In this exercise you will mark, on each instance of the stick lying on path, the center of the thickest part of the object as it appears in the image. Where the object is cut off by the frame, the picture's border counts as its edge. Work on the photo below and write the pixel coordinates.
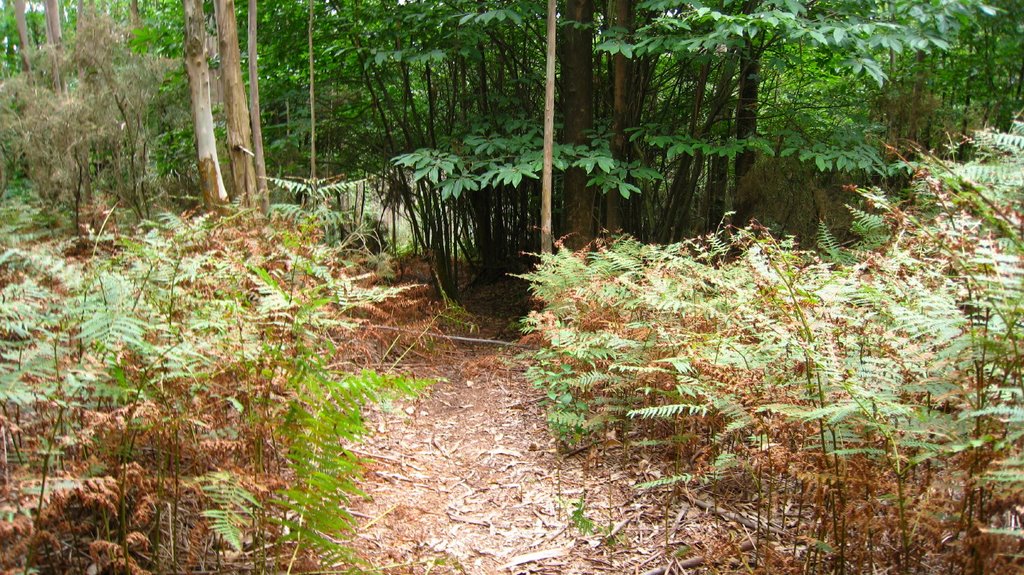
(535, 556)
(691, 563)
(450, 337)
(745, 521)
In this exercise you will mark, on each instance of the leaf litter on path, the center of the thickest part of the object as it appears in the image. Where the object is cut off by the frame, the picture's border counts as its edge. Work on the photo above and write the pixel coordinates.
(468, 479)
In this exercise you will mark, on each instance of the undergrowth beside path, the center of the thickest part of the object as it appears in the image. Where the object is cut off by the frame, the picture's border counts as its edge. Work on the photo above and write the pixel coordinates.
(181, 399)
(865, 402)
(190, 397)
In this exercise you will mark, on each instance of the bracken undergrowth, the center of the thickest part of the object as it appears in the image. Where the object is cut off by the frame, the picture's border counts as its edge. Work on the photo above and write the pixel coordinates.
(863, 404)
(182, 399)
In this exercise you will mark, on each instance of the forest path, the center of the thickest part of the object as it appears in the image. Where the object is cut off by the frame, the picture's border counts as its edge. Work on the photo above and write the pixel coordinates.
(467, 478)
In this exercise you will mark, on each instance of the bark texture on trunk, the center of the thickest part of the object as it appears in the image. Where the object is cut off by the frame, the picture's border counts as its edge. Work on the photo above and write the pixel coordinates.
(22, 24)
(55, 39)
(254, 111)
(312, 102)
(746, 111)
(578, 83)
(211, 182)
(243, 171)
(746, 127)
(549, 131)
(621, 67)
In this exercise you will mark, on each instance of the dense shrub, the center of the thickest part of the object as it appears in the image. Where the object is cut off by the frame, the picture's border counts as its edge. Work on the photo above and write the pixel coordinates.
(179, 398)
(89, 148)
(869, 398)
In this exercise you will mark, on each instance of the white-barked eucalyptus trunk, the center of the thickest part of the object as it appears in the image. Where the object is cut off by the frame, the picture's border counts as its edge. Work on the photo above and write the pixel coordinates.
(211, 182)
(243, 171)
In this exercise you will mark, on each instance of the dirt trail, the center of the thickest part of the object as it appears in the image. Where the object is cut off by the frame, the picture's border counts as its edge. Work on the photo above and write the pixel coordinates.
(467, 479)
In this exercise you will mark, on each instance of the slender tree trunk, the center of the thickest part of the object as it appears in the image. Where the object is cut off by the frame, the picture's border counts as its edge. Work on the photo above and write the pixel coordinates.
(80, 19)
(243, 172)
(749, 83)
(254, 110)
(917, 101)
(133, 8)
(620, 106)
(746, 109)
(55, 38)
(1020, 80)
(716, 192)
(22, 24)
(746, 127)
(312, 101)
(671, 223)
(211, 182)
(549, 132)
(578, 74)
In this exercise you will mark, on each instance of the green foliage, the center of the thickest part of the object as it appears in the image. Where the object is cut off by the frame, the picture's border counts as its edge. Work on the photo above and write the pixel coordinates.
(998, 164)
(89, 148)
(323, 412)
(200, 351)
(233, 508)
(883, 375)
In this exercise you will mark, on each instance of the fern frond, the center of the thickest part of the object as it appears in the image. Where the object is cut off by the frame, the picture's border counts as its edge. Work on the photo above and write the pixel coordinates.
(669, 411)
(234, 506)
(667, 481)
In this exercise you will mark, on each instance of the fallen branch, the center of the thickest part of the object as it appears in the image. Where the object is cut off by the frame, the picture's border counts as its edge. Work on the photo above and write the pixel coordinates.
(618, 527)
(468, 520)
(535, 556)
(692, 563)
(450, 337)
(742, 520)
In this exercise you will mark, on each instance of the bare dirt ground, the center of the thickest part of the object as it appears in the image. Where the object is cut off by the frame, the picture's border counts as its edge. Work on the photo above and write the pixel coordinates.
(467, 478)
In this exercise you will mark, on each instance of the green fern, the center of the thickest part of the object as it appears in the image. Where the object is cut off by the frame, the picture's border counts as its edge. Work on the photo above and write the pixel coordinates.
(667, 481)
(325, 471)
(670, 411)
(872, 229)
(234, 506)
(828, 243)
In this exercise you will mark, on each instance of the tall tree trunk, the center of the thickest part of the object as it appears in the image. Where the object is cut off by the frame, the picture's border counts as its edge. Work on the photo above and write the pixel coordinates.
(211, 182)
(254, 110)
(746, 109)
(578, 74)
(243, 172)
(746, 124)
(133, 8)
(746, 127)
(22, 24)
(549, 132)
(716, 192)
(917, 101)
(672, 224)
(55, 38)
(312, 102)
(620, 106)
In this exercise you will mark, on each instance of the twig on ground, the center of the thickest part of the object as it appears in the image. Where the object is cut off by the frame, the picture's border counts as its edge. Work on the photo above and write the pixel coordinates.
(744, 521)
(384, 458)
(618, 527)
(672, 566)
(534, 557)
(459, 338)
(468, 520)
(378, 518)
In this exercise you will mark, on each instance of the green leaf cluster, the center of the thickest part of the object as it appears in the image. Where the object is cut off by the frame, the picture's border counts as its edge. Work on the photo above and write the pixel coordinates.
(875, 371)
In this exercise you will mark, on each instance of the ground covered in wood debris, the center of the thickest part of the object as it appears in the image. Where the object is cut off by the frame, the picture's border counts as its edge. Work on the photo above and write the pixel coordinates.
(469, 479)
